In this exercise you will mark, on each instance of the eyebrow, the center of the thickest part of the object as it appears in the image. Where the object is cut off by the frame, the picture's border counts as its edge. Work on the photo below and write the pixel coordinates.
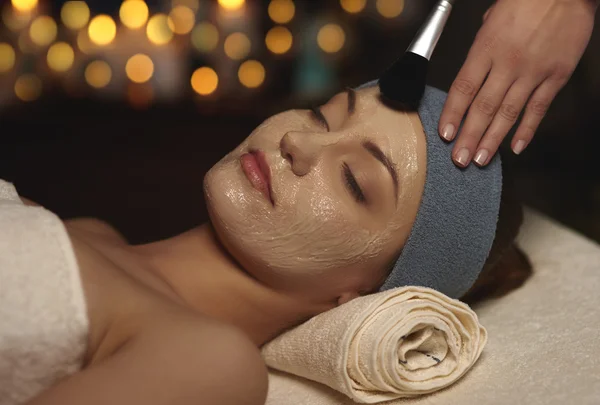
(374, 150)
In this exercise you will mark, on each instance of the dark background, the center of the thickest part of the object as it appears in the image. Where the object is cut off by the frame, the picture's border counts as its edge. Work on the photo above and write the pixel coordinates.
(141, 169)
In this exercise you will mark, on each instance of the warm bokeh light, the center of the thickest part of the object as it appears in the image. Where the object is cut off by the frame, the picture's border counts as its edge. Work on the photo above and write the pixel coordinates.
(98, 74)
(133, 13)
(102, 30)
(231, 4)
(181, 20)
(331, 38)
(279, 40)
(60, 57)
(139, 68)
(193, 4)
(24, 5)
(75, 14)
(204, 81)
(353, 6)
(390, 8)
(205, 37)
(158, 30)
(43, 30)
(14, 20)
(281, 11)
(251, 74)
(7, 57)
(237, 46)
(28, 87)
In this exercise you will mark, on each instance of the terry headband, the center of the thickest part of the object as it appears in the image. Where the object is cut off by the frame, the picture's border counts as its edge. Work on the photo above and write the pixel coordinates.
(456, 221)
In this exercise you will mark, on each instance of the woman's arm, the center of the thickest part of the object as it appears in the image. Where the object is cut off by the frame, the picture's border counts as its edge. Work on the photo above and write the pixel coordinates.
(177, 364)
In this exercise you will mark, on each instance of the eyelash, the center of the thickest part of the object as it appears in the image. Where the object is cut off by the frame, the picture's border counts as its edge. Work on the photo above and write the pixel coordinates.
(320, 117)
(353, 184)
(349, 178)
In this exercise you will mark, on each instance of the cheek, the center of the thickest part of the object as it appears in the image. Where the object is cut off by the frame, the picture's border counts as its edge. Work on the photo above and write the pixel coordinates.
(313, 232)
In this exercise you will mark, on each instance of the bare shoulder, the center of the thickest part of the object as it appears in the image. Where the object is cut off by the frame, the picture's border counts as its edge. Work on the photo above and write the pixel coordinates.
(177, 359)
(202, 358)
(95, 226)
(214, 360)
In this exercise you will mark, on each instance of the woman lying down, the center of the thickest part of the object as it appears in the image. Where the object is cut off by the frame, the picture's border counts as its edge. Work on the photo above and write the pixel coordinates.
(312, 210)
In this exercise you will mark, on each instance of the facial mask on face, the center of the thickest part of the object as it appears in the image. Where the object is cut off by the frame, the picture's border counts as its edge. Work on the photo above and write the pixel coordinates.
(456, 222)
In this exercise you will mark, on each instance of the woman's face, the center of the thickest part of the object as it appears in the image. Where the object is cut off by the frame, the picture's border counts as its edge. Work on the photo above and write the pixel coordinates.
(321, 203)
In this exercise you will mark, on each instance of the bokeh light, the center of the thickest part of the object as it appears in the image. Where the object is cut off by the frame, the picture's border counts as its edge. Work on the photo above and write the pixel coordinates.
(7, 57)
(205, 37)
(231, 4)
(204, 81)
(28, 87)
(139, 68)
(158, 30)
(133, 13)
(353, 6)
(279, 40)
(98, 74)
(181, 20)
(192, 4)
(281, 11)
(13, 19)
(251, 74)
(237, 45)
(390, 8)
(24, 5)
(43, 30)
(331, 38)
(75, 14)
(60, 57)
(102, 30)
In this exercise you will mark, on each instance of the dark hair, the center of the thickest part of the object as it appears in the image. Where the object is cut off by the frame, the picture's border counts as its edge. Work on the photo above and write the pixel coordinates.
(506, 267)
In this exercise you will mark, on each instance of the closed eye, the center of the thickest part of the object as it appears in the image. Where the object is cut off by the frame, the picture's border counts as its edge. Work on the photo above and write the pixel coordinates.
(352, 184)
(319, 117)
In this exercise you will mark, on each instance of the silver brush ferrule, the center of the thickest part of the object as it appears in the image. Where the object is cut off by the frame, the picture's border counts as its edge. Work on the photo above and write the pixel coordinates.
(426, 39)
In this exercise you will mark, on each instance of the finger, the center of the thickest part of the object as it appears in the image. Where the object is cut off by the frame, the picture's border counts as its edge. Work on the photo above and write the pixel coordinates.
(463, 90)
(481, 113)
(503, 121)
(534, 113)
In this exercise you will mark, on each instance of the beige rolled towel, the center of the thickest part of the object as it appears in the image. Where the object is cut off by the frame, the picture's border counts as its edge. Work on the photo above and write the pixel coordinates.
(394, 344)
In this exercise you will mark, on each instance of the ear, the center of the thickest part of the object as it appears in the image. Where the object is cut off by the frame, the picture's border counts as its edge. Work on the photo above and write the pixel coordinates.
(347, 297)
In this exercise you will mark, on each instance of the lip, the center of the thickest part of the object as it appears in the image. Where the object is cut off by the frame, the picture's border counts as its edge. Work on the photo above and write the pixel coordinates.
(255, 167)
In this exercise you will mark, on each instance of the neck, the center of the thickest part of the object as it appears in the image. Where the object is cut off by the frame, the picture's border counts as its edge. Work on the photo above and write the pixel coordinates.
(196, 270)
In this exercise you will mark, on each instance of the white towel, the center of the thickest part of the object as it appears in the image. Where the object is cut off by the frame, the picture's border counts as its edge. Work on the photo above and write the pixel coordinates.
(43, 318)
(394, 344)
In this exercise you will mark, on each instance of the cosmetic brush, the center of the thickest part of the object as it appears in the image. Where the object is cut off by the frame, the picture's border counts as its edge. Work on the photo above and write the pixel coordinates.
(405, 81)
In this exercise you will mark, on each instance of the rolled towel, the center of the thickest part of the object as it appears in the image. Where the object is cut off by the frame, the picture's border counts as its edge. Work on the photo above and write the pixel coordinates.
(399, 343)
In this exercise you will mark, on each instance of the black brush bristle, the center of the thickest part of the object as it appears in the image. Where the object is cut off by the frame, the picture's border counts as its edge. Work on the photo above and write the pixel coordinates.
(404, 82)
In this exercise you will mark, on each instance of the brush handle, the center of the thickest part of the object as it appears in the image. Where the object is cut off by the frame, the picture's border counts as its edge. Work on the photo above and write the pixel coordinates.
(426, 39)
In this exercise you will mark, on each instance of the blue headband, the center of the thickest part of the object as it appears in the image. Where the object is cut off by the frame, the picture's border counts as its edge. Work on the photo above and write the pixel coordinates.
(456, 221)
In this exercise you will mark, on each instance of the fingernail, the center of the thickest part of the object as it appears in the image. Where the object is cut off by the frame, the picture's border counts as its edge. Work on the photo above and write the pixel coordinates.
(448, 132)
(481, 157)
(462, 157)
(519, 146)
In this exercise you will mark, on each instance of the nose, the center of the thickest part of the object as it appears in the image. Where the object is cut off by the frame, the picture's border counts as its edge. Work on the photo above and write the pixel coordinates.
(303, 150)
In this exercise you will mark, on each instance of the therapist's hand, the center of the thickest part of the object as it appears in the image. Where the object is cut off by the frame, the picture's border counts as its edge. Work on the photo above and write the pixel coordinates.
(524, 53)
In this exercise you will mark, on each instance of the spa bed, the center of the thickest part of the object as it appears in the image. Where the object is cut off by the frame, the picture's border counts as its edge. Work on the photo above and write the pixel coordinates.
(544, 338)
